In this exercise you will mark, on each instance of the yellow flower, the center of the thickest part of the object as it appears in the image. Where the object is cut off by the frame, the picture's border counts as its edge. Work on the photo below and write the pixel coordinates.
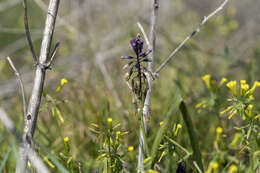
(179, 126)
(232, 169)
(219, 130)
(161, 123)
(131, 148)
(221, 83)
(243, 87)
(66, 139)
(109, 120)
(250, 110)
(232, 85)
(252, 90)
(63, 81)
(251, 98)
(118, 133)
(215, 166)
(206, 79)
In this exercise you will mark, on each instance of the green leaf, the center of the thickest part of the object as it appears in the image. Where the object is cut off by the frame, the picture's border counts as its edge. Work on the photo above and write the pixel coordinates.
(192, 135)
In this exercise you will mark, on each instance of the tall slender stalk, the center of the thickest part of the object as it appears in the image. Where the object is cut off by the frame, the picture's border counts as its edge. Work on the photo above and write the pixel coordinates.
(146, 106)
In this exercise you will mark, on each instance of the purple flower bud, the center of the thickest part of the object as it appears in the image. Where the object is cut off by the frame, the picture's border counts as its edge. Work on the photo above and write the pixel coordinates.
(144, 54)
(127, 57)
(137, 44)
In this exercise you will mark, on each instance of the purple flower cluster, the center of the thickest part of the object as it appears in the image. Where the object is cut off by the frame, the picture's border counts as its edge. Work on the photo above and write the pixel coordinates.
(137, 67)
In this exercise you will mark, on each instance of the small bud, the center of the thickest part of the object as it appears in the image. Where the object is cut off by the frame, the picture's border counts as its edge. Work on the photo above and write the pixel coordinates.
(221, 83)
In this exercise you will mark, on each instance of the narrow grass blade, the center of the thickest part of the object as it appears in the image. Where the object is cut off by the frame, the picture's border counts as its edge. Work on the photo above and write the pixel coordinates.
(192, 135)
(177, 99)
(5, 159)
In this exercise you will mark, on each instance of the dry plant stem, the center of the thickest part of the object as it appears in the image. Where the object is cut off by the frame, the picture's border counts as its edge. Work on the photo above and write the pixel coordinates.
(20, 83)
(30, 120)
(27, 31)
(146, 107)
(206, 18)
(32, 155)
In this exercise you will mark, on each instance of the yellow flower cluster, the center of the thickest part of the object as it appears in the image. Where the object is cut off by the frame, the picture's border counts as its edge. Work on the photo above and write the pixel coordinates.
(210, 83)
(244, 88)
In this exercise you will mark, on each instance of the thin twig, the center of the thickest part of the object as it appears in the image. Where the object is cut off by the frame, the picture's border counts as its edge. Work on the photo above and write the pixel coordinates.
(27, 31)
(205, 19)
(33, 157)
(53, 54)
(20, 83)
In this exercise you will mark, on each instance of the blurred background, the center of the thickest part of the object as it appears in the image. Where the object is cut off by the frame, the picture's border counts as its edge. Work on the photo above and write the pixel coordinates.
(94, 34)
